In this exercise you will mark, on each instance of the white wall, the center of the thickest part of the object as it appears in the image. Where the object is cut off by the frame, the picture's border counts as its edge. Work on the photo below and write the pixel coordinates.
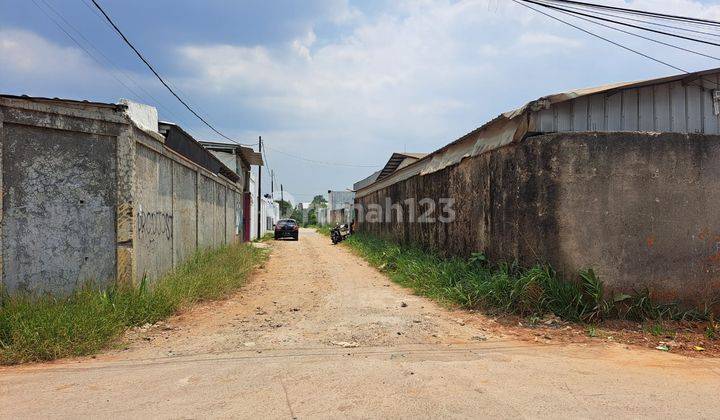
(269, 209)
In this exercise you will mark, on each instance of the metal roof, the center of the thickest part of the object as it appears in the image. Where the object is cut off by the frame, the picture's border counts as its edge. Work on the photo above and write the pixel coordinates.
(395, 160)
(577, 93)
(180, 141)
(508, 127)
(247, 153)
(366, 181)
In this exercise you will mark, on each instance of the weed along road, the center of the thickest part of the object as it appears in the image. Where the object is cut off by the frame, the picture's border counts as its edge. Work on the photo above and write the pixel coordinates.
(317, 333)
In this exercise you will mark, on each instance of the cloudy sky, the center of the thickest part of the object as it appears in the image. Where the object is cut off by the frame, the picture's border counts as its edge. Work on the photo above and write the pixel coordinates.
(338, 81)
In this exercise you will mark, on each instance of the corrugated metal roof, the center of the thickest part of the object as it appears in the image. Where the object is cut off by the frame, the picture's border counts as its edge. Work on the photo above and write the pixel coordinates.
(395, 160)
(577, 93)
(247, 153)
(510, 127)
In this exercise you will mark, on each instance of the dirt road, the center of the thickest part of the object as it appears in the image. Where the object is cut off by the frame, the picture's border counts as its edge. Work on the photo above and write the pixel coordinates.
(284, 348)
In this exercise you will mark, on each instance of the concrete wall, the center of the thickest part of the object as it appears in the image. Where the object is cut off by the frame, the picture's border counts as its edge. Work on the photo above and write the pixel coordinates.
(180, 208)
(58, 208)
(184, 212)
(58, 182)
(153, 212)
(88, 196)
(638, 207)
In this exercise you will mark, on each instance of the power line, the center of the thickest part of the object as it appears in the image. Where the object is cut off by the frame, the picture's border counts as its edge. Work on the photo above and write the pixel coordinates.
(549, 6)
(82, 47)
(643, 12)
(648, 22)
(152, 69)
(138, 96)
(263, 152)
(107, 59)
(521, 2)
(641, 36)
(102, 18)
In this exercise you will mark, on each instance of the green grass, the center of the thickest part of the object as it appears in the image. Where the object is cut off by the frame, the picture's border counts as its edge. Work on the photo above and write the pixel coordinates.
(44, 328)
(527, 291)
(323, 230)
(266, 237)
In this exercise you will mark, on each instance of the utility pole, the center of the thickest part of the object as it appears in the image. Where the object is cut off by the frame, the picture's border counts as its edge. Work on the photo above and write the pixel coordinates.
(259, 202)
(282, 198)
(272, 184)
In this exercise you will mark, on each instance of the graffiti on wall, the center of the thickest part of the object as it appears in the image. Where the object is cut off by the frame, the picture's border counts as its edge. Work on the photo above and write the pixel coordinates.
(154, 225)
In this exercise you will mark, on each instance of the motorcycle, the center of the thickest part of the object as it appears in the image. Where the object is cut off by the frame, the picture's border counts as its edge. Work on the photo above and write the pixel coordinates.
(340, 232)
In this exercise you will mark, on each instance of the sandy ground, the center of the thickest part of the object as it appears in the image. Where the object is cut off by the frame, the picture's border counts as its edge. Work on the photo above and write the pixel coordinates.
(317, 333)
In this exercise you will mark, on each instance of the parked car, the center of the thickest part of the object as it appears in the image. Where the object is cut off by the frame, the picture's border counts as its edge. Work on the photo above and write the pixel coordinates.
(287, 228)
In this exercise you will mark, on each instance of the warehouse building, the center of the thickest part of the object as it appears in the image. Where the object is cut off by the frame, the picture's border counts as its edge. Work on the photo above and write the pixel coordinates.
(622, 178)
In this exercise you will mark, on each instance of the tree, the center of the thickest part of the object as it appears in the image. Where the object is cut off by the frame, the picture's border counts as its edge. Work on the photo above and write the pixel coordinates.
(285, 208)
(297, 214)
(318, 201)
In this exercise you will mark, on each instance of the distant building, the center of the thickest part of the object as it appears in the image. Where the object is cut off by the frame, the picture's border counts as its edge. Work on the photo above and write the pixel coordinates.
(340, 207)
(236, 157)
(240, 159)
(397, 161)
(269, 212)
(366, 181)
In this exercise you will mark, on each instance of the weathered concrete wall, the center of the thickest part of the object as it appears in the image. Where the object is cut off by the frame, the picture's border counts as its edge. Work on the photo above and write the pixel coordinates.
(229, 222)
(153, 213)
(88, 196)
(180, 208)
(206, 212)
(638, 207)
(218, 218)
(184, 212)
(58, 199)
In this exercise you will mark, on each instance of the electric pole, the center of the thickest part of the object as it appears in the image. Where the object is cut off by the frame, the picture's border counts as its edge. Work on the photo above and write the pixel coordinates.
(272, 184)
(259, 201)
(282, 198)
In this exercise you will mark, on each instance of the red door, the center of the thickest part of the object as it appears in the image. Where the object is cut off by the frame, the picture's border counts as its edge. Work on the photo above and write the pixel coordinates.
(246, 217)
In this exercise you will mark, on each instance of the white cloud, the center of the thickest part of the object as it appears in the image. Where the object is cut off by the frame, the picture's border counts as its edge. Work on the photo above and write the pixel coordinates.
(25, 52)
(414, 75)
(537, 39)
(32, 65)
(302, 45)
(390, 72)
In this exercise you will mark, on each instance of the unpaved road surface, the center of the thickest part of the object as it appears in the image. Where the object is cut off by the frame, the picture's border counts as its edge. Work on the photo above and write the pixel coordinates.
(282, 348)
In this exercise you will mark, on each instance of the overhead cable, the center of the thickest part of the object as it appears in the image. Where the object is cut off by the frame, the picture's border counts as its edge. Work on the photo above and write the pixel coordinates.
(157, 75)
(668, 16)
(642, 28)
(643, 37)
(617, 44)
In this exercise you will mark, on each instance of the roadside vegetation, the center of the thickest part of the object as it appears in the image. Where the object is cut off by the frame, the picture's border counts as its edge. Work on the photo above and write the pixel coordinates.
(43, 328)
(323, 230)
(476, 283)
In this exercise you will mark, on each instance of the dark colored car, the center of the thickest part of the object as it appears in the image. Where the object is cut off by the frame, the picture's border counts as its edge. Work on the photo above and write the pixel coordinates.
(287, 228)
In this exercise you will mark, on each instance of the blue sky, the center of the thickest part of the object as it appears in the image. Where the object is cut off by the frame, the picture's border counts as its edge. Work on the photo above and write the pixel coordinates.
(329, 80)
